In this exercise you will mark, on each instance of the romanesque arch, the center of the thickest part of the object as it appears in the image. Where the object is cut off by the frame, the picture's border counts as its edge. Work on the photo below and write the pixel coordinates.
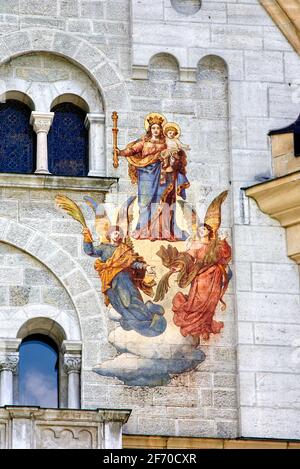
(69, 273)
(94, 62)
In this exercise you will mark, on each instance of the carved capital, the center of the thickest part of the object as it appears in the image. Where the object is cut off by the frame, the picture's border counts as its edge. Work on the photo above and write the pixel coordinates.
(41, 121)
(9, 362)
(72, 364)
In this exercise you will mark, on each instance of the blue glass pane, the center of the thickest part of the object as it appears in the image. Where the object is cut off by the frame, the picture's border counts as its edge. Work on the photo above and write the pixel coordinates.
(68, 142)
(38, 372)
(17, 138)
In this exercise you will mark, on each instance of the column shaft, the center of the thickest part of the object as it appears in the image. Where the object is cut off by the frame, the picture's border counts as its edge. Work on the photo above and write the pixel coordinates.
(97, 159)
(42, 153)
(72, 366)
(6, 388)
(73, 390)
(41, 124)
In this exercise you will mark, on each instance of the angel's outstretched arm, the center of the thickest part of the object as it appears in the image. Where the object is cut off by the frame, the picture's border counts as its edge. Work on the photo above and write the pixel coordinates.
(88, 245)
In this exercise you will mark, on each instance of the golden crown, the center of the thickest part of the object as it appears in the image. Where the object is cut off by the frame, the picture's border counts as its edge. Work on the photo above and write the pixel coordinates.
(155, 120)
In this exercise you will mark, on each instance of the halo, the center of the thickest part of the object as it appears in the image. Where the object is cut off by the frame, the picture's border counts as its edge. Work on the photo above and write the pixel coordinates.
(153, 114)
(172, 124)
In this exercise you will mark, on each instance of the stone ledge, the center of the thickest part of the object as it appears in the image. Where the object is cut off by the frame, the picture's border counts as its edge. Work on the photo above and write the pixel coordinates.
(74, 415)
(33, 181)
(188, 75)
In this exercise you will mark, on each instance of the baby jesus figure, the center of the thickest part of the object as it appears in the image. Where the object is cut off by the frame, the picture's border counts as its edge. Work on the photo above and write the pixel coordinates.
(171, 157)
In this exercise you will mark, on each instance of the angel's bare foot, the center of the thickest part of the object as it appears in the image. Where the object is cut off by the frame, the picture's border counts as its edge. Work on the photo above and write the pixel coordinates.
(196, 341)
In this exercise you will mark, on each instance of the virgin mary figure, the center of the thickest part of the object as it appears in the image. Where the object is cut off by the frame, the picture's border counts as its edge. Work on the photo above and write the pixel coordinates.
(156, 195)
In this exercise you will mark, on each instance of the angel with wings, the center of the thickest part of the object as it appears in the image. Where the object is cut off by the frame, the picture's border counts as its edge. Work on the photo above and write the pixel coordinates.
(123, 272)
(204, 268)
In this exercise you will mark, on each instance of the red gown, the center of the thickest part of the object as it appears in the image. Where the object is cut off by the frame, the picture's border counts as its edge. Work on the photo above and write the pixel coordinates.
(194, 312)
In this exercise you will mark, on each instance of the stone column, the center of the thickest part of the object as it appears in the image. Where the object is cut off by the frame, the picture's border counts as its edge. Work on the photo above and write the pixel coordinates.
(97, 158)
(71, 350)
(72, 366)
(8, 366)
(41, 122)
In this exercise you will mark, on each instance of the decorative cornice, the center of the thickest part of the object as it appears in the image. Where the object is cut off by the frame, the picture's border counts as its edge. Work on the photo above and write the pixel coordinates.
(9, 362)
(280, 199)
(38, 181)
(286, 15)
(72, 347)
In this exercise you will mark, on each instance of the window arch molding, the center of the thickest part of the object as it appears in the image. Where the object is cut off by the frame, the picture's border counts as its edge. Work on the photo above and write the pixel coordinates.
(43, 326)
(20, 96)
(71, 98)
(107, 77)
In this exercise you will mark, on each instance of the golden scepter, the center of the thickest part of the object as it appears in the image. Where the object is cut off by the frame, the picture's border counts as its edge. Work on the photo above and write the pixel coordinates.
(115, 131)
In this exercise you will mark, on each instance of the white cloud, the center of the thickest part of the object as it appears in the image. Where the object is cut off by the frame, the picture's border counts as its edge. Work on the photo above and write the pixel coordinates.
(150, 361)
(39, 390)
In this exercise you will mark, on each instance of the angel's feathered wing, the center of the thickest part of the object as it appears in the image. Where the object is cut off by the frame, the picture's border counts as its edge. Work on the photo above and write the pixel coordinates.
(168, 256)
(190, 216)
(180, 263)
(125, 215)
(213, 213)
(72, 209)
(102, 223)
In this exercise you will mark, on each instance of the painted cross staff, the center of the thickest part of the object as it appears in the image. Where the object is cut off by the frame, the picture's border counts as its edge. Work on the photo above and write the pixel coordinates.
(115, 131)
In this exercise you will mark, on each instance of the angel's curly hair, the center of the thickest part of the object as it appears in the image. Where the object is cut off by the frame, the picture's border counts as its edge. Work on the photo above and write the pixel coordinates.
(209, 228)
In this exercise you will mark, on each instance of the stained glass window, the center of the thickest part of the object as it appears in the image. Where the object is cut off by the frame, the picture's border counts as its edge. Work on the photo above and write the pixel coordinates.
(17, 138)
(38, 372)
(68, 141)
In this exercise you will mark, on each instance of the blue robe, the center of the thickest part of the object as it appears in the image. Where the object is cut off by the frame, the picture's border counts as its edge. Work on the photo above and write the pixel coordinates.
(145, 318)
(150, 194)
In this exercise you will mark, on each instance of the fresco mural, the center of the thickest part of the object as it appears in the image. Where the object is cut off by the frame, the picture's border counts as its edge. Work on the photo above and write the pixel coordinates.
(163, 302)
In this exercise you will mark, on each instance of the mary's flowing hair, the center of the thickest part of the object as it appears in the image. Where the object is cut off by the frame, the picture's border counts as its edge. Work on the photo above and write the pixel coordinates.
(148, 135)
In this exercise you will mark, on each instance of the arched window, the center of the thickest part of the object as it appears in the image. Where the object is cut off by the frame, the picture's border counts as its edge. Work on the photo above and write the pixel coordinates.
(68, 141)
(38, 372)
(17, 138)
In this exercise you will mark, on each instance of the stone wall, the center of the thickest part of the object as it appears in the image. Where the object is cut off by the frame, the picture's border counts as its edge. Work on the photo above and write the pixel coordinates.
(25, 282)
(147, 56)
